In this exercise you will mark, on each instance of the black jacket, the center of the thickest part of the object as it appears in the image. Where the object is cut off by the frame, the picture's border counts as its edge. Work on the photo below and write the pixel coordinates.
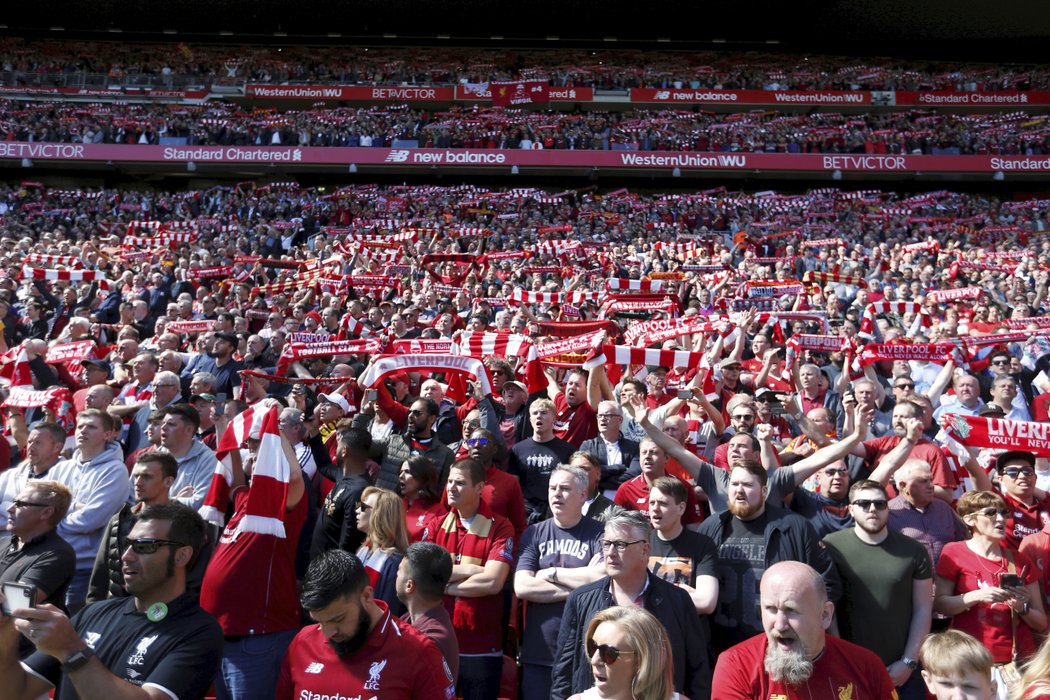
(613, 476)
(789, 537)
(689, 633)
(107, 579)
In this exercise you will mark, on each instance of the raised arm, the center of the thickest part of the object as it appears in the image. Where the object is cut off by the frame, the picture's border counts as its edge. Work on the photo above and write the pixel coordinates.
(804, 468)
(899, 454)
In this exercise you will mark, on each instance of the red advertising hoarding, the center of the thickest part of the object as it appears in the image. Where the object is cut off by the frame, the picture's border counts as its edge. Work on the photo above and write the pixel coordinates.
(352, 93)
(627, 160)
(836, 98)
(1006, 98)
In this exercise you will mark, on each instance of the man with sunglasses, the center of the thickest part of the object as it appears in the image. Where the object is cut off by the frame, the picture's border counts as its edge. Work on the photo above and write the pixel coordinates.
(887, 587)
(157, 640)
(35, 554)
(1029, 508)
(628, 581)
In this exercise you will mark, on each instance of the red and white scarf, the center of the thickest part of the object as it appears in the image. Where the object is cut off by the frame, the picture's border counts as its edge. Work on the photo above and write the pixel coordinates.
(941, 296)
(997, 433)
(245, 423)
(38, 273)
(617, 284)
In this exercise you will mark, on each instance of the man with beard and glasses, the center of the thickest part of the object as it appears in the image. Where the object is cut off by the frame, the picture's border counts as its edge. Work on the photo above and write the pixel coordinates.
(795, 657)
(418, 439)
(357, 648)
(887, 587)
(875, 450)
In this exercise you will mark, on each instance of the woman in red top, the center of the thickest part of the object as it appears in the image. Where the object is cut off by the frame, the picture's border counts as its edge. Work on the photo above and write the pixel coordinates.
(971, 585)
(421, 491)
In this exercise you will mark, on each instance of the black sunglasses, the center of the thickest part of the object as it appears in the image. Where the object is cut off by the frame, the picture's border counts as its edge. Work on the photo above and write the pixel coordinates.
(149, 545)
(27, 504)
(608, 654)
(1014, 472)
(865, 504)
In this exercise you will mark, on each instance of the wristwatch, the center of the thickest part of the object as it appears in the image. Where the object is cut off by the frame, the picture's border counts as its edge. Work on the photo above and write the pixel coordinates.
(910, 663)
(78, 660)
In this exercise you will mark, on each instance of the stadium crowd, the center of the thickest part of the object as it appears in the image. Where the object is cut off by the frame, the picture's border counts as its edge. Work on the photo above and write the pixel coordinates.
(578, 400)
(66, 63)
(770, 132)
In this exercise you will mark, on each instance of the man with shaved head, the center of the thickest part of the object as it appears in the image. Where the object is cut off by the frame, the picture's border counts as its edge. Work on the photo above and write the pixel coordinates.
(795, 657)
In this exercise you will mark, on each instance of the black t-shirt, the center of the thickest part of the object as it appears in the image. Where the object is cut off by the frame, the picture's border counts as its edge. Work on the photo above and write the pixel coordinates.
(47, 562)
(180, 653)
(741, 563)
(684, 558)
(336, 526)
(533, 463)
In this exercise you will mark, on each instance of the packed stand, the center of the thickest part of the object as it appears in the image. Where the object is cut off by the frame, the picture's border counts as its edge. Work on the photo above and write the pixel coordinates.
(496, 128)
(174, 65)
(406, 410)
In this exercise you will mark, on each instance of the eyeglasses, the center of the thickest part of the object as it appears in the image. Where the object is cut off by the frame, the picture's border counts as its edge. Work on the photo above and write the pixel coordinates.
(610, 416)
(27, 504)
(606, 652)
(619, 545)
(168, 386)
(149, 545)
(992, 511)
(744, 418)
(477, 442)
(1014, 472)
(363, 507)
(865, 504)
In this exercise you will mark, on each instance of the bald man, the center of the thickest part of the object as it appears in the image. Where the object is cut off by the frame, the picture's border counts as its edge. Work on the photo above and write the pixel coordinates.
(795, 650)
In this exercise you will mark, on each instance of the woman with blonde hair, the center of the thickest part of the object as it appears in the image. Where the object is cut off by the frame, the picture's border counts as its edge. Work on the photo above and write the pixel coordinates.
(1035, 681)
(991, 592)
(381, 516)
(630, 657)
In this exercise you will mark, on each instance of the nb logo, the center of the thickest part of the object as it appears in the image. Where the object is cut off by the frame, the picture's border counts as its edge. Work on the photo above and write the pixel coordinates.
(315, 667)
(662, 94)
(397, 156)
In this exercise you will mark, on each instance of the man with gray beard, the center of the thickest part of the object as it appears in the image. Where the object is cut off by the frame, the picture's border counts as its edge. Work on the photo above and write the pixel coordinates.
(795, 657)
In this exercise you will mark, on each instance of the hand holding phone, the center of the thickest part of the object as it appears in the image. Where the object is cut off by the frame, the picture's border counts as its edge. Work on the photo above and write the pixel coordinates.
(18, 596)
(1010, 581)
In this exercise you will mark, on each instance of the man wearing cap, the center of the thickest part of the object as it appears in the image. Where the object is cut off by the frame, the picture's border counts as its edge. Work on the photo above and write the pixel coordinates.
(509, 419)
(219, 361)
(94, 373)
(656, 387)
(331, 408)
(1029, 509)
(400, 384)
(205, 405)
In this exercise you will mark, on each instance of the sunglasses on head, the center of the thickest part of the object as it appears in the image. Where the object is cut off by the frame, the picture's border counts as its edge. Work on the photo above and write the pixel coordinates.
(866, 504)
(607, 653)
(149, 545)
